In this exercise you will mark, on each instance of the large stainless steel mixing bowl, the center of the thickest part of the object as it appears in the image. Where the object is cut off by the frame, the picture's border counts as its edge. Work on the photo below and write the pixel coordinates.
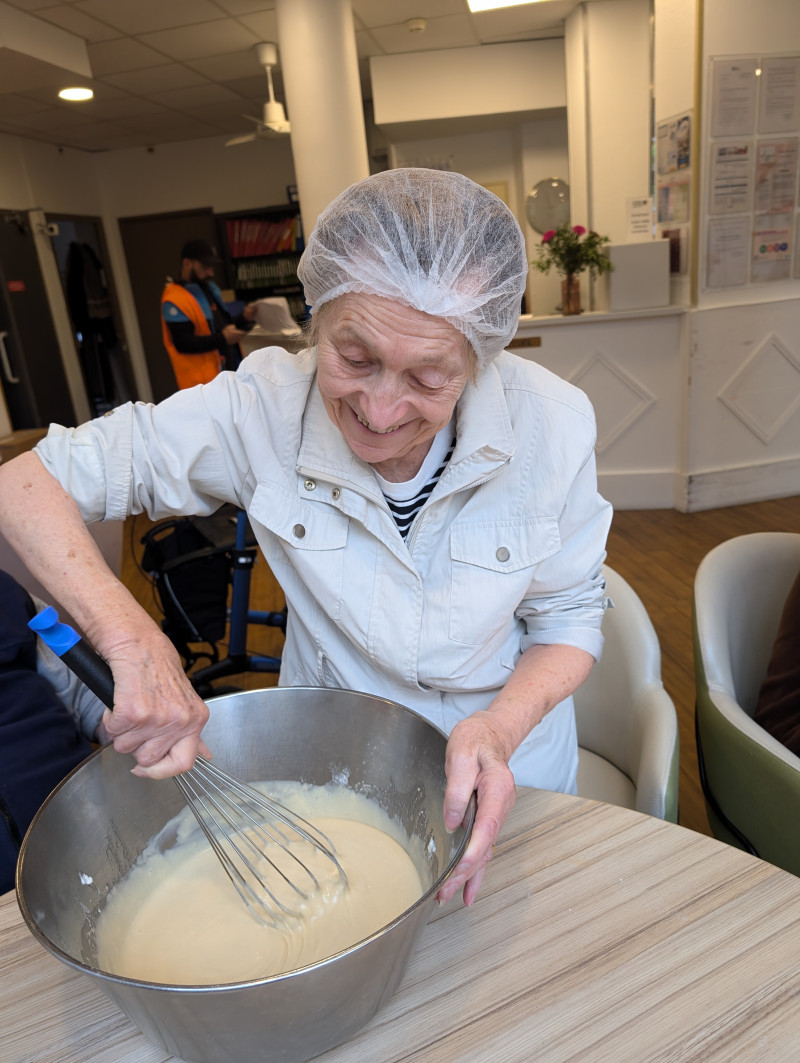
(97, 822)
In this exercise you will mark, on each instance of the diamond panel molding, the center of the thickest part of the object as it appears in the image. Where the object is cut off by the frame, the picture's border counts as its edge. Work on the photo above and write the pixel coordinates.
(765, 391)
(618, 399)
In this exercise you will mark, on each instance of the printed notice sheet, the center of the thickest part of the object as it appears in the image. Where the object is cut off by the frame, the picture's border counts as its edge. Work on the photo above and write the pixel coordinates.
(776, 175)
(728, 253)
(772, 248)
(779, 104)
(733, 100)
(731, 177)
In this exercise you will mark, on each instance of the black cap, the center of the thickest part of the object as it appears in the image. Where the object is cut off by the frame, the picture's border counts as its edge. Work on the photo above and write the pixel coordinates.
(200, 251)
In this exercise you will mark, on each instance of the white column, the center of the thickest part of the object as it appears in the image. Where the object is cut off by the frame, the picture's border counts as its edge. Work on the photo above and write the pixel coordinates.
(323, 95)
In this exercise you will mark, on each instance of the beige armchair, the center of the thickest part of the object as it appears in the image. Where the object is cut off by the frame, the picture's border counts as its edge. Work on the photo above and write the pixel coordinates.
(627, 725)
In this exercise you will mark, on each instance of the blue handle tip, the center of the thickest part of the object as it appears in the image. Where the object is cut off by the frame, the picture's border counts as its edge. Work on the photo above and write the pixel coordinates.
(59, 637)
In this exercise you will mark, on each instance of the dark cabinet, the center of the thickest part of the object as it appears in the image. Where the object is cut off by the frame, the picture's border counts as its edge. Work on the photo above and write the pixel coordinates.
(262, 249)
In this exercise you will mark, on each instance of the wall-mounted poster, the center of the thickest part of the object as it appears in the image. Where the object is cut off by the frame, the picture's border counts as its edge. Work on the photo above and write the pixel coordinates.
(772, 248)
(674, 200)
(728, 251)
(674, 144)
(779, 104)
(731, 183)
(776, 175)
(733, 97)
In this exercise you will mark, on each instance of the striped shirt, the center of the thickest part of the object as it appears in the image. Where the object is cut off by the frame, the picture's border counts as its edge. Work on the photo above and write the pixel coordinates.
(405, 500)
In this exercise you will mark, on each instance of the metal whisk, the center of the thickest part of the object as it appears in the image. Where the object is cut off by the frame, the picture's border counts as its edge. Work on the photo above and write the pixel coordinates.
(255, 838)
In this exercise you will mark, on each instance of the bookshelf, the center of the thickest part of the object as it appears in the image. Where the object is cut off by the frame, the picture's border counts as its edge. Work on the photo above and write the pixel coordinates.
(262, 249)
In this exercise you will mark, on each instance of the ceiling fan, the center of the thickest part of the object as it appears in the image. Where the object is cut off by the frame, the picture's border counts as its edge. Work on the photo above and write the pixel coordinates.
(273, 121)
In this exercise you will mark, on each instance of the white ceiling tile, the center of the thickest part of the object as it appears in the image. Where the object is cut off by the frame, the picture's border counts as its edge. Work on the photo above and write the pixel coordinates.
(110, 57)
(30, 5)
(12, 105)
(156, 79)
(55, 119)
(229, 117)
(146, 16)
(387, 12)
(122, 108)
(199, 41)
(245, 7)
(264, 25)
(230, 67)
(450, 31)
(255, 88)
(172, 126)
(198, 96)
(74, 21)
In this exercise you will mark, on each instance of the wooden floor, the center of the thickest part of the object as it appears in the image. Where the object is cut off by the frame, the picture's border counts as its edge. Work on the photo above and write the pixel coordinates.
(656, 551)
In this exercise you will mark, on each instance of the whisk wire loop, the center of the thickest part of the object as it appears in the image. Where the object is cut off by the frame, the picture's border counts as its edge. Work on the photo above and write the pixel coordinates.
(244, 827)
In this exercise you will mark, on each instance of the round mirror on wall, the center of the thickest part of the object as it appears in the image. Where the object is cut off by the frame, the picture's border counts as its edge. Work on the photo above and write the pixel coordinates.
(547, 204)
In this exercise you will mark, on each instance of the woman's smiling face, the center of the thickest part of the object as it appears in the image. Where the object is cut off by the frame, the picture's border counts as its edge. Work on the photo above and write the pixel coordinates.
(390, 377)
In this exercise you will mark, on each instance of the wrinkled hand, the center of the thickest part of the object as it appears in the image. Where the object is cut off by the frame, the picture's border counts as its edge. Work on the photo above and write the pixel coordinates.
(157, 715)
(476, 760)
(233, 334)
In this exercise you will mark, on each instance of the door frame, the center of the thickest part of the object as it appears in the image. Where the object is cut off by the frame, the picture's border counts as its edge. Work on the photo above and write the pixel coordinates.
(119, 326)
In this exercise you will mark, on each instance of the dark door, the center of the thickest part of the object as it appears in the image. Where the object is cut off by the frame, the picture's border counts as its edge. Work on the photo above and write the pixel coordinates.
(31, 369)
(80, 250)
(152, 250)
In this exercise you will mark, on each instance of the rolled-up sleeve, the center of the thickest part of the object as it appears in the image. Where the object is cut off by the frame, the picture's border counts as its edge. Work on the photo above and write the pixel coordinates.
(166, 459)
(567, 597)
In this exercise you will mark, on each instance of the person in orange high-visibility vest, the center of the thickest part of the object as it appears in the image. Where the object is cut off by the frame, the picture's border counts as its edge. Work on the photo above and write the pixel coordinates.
(199, 333)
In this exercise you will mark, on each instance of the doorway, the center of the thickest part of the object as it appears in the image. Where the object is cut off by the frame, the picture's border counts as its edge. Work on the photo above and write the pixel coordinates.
(80, 251)
(153, 245)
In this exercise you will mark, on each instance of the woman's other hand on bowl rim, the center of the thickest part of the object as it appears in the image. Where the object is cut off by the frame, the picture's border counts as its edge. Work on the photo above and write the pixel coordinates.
(476, 761)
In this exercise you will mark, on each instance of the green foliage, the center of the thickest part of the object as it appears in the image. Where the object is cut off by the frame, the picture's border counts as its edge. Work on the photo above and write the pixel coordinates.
(572, 250)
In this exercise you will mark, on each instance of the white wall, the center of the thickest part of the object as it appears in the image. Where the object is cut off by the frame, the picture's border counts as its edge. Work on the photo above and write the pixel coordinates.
(195, 173)
(608, 66)
(465, 82)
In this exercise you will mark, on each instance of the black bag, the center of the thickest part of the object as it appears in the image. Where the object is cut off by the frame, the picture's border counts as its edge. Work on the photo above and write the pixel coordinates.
(192, 579)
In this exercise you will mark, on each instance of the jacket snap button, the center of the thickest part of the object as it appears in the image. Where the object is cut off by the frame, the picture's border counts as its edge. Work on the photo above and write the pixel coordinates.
(309, 485)
(299, 531)
(335, 494)
(503, 553)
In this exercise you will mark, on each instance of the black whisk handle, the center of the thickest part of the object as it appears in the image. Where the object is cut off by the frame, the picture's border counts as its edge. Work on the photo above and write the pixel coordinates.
(78, 655)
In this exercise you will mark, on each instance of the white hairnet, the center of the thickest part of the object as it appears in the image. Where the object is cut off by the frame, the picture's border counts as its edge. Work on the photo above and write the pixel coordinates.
(431, 239)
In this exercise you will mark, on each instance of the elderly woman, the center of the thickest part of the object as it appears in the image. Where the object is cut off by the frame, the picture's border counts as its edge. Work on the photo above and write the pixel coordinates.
(427, 501)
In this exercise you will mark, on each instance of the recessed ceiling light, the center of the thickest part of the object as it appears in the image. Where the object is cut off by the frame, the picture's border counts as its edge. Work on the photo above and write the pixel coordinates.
(76, 94)
(490, 5)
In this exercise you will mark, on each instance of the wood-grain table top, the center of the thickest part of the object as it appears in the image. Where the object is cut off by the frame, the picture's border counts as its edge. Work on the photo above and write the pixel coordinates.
(599, 935)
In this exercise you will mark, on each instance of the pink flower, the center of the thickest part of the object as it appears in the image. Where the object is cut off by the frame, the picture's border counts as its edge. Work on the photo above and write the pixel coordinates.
(579, 229)
(548, 236)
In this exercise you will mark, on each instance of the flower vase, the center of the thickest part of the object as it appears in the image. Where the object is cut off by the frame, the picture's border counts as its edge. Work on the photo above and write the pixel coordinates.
(571, 294)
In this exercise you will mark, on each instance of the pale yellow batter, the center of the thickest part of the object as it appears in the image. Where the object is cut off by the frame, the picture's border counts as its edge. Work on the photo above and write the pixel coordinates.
(176, 919)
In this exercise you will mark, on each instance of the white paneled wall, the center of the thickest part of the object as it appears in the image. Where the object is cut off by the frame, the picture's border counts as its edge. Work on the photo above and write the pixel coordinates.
(630, 366)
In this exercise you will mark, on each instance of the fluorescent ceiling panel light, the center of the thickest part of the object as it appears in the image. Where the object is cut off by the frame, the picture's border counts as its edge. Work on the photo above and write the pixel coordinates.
(76, 94)
(491, 5)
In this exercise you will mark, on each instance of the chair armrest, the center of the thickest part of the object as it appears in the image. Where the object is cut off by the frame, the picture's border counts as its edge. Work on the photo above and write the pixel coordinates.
(657, 770)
